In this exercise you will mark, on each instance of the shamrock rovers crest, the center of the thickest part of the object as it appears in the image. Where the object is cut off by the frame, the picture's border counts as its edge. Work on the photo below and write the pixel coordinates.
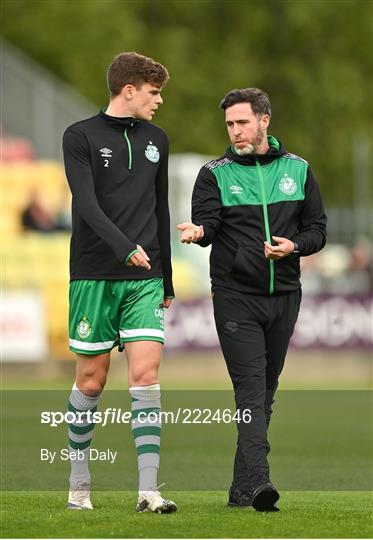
(152, 152)
(84, 328)
(288, 185)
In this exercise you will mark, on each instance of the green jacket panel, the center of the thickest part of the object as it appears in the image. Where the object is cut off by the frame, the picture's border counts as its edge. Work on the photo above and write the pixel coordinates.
(239, 185)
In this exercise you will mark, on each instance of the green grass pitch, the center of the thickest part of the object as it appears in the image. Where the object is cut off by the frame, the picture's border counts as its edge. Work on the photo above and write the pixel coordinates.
(322, 440)
(200, 515)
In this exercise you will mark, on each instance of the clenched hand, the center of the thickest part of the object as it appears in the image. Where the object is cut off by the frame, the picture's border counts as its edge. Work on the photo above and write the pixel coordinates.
(139, 259)
(283, 249)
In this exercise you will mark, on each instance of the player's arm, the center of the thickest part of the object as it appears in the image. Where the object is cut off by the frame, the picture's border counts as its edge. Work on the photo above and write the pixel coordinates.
(311, 235)
(80, 178)
(163, 218)
(206, 211)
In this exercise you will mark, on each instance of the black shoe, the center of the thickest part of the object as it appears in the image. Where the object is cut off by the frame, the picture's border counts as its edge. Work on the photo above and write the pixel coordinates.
(264, 498)
(239, 497)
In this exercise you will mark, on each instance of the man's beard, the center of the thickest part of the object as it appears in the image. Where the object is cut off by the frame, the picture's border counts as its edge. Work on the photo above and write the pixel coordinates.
(246, 150)
(251, 148)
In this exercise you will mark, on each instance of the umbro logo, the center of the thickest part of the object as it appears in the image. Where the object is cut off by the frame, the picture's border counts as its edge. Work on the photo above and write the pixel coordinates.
(236, 190)
(106, 152)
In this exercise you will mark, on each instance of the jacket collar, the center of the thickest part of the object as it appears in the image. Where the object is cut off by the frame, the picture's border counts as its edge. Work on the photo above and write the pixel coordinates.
(117, 122)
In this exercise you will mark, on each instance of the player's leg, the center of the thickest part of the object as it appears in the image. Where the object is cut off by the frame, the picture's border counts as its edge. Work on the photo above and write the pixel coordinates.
(141, 330)
(144, 358)
(92, 336)
(91, 374)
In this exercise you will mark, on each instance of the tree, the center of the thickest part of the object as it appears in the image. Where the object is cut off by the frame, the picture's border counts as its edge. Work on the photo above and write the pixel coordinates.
(312, 57)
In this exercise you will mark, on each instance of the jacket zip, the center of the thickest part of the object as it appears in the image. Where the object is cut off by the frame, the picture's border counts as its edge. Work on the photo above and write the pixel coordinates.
(129, 149)
(266, 226)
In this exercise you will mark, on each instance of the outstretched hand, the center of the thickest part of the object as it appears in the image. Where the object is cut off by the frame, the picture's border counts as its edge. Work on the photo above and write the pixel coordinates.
(190, 232)
(283, 249)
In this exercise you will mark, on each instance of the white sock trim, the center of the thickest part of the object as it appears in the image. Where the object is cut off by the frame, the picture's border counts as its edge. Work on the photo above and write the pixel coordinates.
(80, 400)
(146, 393)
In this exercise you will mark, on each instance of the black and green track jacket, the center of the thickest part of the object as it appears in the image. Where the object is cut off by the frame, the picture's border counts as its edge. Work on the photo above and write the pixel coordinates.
(117, 169)
(241, 201)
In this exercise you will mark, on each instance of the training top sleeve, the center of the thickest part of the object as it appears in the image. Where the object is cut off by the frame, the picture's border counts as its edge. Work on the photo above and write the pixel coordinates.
(311, 234)
(206, 206)
(163, 218)
(80, 178)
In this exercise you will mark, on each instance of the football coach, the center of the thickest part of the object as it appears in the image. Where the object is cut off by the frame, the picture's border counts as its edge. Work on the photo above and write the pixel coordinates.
(260, 208)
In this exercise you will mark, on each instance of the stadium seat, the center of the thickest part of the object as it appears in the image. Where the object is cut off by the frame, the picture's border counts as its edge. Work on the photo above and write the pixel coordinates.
(32, 260)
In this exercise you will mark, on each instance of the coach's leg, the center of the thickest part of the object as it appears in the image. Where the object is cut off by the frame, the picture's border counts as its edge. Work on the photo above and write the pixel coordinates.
(144, 358)
(239, 322)
(91, 373)
(278, 332)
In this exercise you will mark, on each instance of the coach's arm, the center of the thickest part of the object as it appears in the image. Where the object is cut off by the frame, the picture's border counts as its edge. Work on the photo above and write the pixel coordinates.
(206, 211)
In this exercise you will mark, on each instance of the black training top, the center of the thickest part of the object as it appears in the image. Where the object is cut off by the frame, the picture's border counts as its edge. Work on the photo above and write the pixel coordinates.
(117, 169)
(242, 201)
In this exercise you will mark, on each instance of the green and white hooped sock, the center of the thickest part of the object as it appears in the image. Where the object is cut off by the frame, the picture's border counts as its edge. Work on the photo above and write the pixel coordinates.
(146, 429)
(80, 434)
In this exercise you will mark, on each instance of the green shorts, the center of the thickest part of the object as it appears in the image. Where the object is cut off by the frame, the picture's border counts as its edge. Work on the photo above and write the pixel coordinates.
(105, 313)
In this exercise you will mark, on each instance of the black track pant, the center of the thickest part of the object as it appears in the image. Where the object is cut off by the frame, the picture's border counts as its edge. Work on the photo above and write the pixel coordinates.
(254, 333)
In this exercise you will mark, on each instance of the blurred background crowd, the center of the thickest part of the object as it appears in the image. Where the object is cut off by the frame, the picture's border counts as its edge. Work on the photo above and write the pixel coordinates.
(315, 61)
